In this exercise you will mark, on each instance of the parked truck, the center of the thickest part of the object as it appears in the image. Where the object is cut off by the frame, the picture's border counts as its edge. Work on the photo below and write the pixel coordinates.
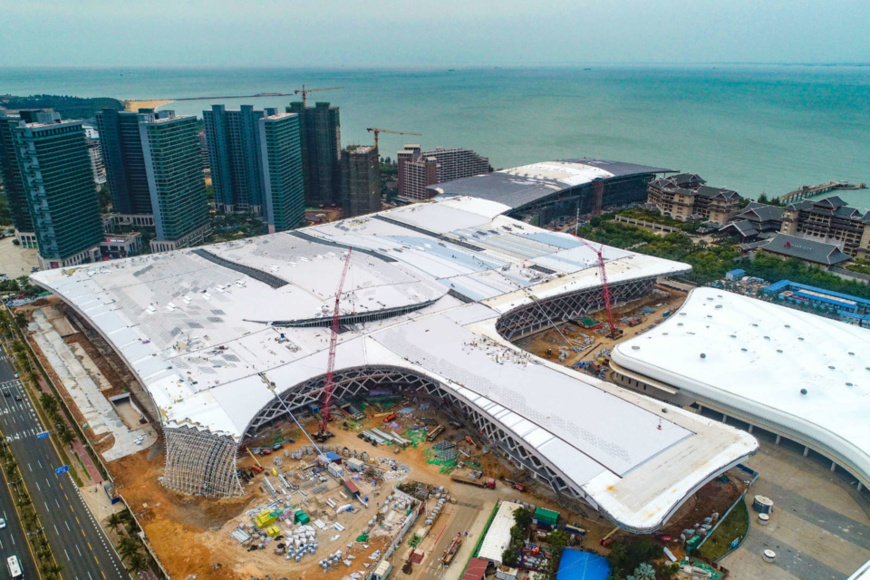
(474, 478)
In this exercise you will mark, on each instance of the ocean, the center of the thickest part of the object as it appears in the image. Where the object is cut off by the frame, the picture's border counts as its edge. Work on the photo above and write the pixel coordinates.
(754, 129)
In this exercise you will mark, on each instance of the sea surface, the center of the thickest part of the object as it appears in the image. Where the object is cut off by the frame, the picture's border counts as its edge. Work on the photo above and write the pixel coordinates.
(754, 129)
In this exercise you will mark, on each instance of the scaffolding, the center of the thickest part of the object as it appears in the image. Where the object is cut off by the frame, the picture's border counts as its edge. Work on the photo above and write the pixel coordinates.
(201, 463)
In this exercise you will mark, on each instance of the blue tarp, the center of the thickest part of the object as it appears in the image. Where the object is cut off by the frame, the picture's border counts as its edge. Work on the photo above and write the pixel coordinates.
(333, 456)
(577, 565)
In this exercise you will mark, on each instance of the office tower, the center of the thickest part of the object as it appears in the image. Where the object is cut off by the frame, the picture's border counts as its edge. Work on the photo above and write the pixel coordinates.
(233, 139)
(321, 153)
(170, 148)
(361, 178)
(13, 188)
(283, 184)
(419, 169)
(59, 190)
(125, 163)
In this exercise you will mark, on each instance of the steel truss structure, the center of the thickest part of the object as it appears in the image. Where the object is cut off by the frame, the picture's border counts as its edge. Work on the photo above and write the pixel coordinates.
(530, 319)
(198, 462)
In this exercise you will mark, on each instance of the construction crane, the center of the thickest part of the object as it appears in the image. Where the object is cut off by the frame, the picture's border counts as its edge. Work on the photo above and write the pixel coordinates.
(323, 432)
(598, 198)
(304, 92)
(376, 131)
(614, 331)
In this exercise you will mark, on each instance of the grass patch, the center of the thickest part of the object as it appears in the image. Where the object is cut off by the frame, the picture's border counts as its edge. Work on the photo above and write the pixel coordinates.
(735, 525)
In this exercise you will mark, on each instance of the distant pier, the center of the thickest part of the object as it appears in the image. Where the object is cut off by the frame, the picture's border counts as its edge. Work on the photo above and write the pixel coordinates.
(811, 190)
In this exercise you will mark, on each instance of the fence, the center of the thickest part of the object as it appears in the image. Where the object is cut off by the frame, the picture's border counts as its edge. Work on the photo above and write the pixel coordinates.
(754, 475)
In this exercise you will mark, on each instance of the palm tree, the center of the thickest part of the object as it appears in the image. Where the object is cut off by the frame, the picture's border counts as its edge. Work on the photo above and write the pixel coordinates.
(137, 562)
(115, 520)
(127, 546)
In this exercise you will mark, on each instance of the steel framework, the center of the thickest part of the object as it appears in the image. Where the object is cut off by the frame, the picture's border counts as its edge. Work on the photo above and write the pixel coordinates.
(530, 318)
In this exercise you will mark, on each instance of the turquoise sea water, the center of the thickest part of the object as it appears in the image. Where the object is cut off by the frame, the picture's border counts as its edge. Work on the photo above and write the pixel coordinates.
(752, 128)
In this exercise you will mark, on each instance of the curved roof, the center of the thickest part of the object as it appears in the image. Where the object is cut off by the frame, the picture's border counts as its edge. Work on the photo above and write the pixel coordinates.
(758, 358)
(520, 186)
(196, 331)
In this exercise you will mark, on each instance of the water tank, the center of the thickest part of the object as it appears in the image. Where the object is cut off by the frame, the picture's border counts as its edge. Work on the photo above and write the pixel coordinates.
(763, 519)
(762, 504)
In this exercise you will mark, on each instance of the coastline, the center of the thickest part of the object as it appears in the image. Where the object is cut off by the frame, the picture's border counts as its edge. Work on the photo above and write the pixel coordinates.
(135, 105)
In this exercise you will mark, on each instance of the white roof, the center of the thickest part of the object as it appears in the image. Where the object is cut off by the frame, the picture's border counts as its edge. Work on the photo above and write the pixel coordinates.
(196, 326)
(757, 358)
(498, 537)
(569, 173)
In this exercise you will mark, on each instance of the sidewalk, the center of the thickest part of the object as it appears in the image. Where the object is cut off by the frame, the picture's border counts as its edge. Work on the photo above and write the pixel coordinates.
(77, 448)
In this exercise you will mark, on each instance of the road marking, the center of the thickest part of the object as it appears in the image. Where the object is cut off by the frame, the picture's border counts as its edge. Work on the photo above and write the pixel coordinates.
(67, 555)
(40, 463)
(84, 536)
(77, 518)
(56, 531)
(57, 502)
(80, 552)
(30, 468)
(98, 562)
(46, 506)
(13, 540)
(37, 485)
(47, 482)
(89, 575)
(67, 526)
(88, 543)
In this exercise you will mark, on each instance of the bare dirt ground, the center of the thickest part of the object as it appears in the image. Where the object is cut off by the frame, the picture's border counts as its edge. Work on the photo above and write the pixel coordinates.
(203, 526)
(135, 105)
(547, 343)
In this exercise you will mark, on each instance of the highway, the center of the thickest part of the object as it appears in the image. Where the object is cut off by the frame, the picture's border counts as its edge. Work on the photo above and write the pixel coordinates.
(78, 544)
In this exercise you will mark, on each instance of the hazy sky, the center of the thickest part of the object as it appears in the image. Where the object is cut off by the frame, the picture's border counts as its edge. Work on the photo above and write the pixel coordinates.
(448, 32)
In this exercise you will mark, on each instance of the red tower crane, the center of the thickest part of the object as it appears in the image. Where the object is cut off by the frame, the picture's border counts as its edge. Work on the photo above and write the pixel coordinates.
(614, 331)
(323, 433)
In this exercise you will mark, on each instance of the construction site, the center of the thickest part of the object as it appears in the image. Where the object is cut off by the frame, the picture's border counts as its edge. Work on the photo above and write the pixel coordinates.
(351, 397)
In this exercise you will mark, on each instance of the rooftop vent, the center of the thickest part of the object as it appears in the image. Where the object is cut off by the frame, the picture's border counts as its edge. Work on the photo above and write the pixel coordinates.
(703, 355)
(803, 391)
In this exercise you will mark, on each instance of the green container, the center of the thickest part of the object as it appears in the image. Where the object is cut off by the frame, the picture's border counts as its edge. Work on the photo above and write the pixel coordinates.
(301, 517)
(545, 516)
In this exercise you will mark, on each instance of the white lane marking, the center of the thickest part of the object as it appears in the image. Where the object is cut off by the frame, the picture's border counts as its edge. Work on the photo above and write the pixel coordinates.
(67, 555)
(77, 548)
(67, 526)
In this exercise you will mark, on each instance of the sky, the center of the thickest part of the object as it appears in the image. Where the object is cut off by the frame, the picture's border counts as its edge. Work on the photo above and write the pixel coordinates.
(385, 33)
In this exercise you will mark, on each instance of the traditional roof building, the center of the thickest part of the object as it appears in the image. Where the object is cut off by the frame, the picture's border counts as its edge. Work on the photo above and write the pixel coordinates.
(830, 220)
(812, 251)
(686, 197)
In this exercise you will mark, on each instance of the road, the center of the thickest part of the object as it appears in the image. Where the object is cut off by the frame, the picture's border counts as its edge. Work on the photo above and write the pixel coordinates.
(78, 544)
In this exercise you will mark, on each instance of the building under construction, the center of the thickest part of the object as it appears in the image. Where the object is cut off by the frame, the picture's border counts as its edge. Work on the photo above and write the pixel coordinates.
(320, 128)
(361, 179)
(231, 338)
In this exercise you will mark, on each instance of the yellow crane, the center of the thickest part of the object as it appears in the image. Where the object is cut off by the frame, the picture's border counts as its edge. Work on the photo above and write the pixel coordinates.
(304, 92)
(376, 131)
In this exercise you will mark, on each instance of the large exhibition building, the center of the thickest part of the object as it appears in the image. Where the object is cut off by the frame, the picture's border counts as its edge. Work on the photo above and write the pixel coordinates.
(798, 377)
(551, 189)
(228, 339)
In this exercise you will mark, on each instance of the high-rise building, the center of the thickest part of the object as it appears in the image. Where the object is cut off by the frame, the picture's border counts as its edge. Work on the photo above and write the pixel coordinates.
(415, 172)
(13, 188)
(98, 168)
(124, 160)
(280, 149)
(233, 139)
(321, 153)
(170, 148)
(59, 190)
(419, 169)
(361, 178)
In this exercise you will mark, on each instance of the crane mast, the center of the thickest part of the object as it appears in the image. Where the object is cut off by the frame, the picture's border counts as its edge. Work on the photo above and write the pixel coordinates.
(323, 433)
(614, 331)
(305, 90)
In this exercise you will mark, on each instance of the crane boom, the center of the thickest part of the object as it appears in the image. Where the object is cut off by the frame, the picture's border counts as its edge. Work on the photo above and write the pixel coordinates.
(378, 131)
(605, 290)
(304, 91)
(333, 343)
